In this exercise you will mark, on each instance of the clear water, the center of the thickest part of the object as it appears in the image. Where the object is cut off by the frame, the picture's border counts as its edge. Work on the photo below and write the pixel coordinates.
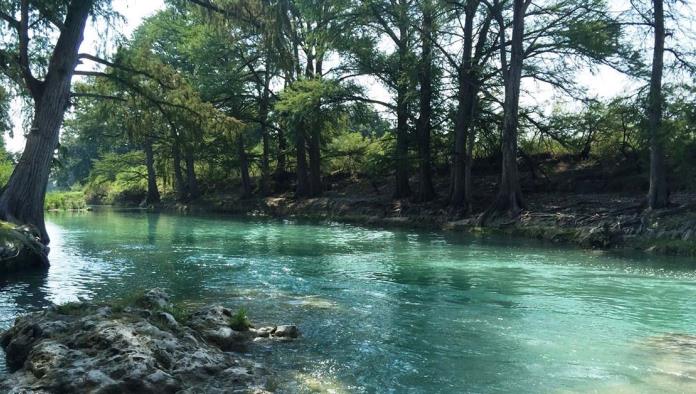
(394, 310)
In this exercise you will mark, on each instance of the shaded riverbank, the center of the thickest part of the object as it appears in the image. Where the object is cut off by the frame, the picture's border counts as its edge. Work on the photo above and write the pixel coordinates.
(593, 221)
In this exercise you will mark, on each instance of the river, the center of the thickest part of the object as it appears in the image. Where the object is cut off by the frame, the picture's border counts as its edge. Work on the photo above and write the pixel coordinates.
(393, 310)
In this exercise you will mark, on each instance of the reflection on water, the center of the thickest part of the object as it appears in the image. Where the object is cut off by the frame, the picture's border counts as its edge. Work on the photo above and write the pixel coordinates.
(394, 310)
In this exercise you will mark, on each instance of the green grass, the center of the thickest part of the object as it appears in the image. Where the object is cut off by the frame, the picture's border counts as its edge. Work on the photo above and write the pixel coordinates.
(71, 309)
(65, 201)
(240, 321)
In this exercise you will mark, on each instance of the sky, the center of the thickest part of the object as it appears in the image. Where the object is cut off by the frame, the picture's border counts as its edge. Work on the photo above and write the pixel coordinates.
(602, 83)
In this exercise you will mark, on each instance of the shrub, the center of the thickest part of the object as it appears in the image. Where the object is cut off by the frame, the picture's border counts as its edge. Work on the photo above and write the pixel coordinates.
(239, 321)
(63, 201)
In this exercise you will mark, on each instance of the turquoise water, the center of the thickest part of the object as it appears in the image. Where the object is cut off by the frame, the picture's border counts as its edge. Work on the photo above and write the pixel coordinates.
(394, 310)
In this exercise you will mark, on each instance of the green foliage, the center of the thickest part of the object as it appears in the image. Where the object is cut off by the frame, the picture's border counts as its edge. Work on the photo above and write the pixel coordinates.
(355, 154)
(313, 100)
(239, 321)
(117, 179)
(6, 168)
(5, 123)
(64, 201)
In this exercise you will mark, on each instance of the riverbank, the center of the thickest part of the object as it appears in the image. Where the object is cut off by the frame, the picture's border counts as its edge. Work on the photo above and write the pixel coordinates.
(594, 221)
(144, 344)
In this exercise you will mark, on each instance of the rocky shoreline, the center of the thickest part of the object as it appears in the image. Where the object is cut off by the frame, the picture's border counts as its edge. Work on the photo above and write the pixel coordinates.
(593, 221)
(145, 345)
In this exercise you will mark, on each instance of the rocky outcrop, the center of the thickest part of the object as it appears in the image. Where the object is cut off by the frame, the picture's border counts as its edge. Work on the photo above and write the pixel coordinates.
(140, 347)
(21, 249)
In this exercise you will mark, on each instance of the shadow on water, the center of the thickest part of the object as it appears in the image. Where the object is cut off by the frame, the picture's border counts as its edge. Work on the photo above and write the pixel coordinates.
(27, 290)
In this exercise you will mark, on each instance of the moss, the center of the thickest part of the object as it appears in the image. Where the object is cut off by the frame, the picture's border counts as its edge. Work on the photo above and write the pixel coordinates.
(134, 298)
(20, 248)
(72, 309)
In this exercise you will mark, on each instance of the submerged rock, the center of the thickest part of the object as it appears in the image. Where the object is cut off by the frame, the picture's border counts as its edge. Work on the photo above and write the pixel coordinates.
(279, 332)
(21, 249)
(140, 347)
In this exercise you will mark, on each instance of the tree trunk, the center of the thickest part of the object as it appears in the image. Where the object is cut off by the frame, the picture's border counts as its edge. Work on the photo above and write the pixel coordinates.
(509, 198)
(244, 168)
(281, 174)
(658, 195)
(468, 164)
(426, 192)
(314, 70)
(302, 187)
(466, 94)
(263, 119)
(315, 186)
(191, 179)
(179, 183)
(401, 152)
(153, 194)
(402, 170)
(23, 199)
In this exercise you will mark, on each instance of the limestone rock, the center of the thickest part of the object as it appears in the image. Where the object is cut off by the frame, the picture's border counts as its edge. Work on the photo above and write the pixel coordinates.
(140, 348)
(286, 331)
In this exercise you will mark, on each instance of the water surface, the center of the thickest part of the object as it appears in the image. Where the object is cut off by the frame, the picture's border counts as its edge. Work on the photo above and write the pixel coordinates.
(394, 310)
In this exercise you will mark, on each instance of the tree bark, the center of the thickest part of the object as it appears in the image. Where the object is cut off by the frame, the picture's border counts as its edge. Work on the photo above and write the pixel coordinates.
(281, 174)
(658, 194)
(244, 168)
(401, 161)
(426, 192)
(468, 165)
(23, 199)
(302, 186)
(179, 183)
(465, 110)
(191, 179)
(509, 199)
(265, 138)
(153, 194)
(315, 185)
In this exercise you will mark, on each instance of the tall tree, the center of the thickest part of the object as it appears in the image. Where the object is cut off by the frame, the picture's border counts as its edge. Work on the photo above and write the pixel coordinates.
(469, 81)
(658, 196)
(23, 199)
(395, 20)
(509, 197)
(426, 191)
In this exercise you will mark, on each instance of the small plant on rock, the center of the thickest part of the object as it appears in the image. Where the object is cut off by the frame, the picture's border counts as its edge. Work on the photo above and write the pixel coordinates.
(239, 321)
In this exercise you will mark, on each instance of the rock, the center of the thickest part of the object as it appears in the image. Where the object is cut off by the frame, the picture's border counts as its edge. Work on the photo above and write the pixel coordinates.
(155, 299)
(265, 332)
(97, 350)
(600, 236)
(21, 249)
(214, 325)
(286, 332)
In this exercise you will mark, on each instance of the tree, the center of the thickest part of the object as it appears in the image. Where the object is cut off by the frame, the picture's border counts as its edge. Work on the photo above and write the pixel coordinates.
(394, 20)
(509, 197)
(469, 81)
(426, 192)
(23, 199)
(658, 196)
